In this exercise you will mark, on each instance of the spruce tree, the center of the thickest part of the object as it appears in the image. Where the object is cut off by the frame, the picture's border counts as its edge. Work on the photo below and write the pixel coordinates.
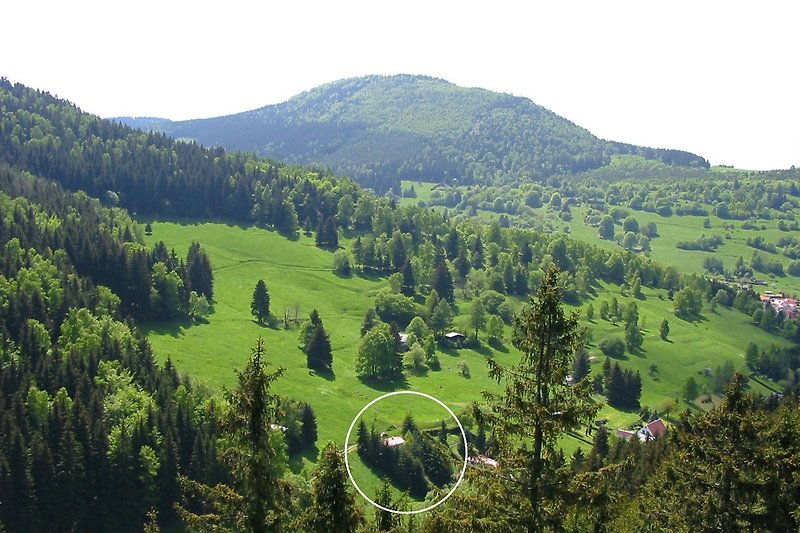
(370, 321)
(259, 306)
(664, 329)
(409, 283)
(333, 506)
(257, 457)
(318, 350)
(442, 282)
(537, 406)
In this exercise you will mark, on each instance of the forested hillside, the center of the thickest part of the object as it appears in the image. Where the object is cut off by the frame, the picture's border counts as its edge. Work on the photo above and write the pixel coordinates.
(96, 436)
(383, 129)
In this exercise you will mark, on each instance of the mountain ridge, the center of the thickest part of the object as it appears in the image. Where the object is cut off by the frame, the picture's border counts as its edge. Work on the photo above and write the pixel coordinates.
(382, 129)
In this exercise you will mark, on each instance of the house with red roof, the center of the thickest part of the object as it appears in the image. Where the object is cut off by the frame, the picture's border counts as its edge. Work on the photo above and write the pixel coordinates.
(653, 430)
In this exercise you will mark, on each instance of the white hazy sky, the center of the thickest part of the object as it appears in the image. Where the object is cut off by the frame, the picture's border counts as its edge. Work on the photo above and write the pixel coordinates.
(716, 78)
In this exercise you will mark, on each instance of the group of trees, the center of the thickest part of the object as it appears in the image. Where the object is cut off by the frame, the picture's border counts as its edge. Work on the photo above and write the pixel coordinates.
(418, 464)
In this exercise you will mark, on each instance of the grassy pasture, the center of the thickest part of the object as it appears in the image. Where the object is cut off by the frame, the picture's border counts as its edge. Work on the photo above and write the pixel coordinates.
(672, 230)
(299, 274)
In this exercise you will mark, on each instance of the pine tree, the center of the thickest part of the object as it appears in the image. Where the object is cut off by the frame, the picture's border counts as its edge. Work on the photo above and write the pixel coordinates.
(580, 366)
(538, 406)
(409, 283)
(333, 506)
(309, 421)
(259, 306)
(318, 351)
(664, 329)
(257, 457)
(633, 337)
(385, 520)
(259, 499)
(442, 281)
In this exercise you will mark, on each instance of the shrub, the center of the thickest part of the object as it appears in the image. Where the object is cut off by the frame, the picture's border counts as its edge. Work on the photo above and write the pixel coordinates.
(612, 346)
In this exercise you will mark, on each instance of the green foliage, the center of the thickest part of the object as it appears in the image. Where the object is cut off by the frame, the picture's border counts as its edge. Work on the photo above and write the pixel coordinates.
(537, 405)
(377, 355)
(663, 329)
(612, 346)
(688, 302)
(259, 306)
(255, 450)
(690, 389)
(734, 460)
(333, 506)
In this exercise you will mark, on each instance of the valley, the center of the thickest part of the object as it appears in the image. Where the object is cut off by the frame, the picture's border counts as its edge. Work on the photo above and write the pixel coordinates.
(187, 333)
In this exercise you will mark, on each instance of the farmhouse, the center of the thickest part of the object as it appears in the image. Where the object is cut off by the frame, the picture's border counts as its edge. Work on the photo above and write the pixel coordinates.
(654, 429)
(484, 460)
(455, 338)
(394, 441)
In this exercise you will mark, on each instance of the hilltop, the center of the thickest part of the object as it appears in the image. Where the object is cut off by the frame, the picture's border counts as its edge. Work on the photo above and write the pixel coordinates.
(383, 129)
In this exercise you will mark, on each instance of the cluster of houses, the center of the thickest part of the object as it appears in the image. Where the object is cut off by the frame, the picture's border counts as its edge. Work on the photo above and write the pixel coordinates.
(780, 303)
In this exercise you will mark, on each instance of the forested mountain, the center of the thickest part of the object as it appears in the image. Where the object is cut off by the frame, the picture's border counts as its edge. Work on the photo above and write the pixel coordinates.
(382, 129)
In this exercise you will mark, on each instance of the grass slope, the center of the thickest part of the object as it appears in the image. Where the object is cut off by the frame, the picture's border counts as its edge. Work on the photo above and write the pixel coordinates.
(298, 273)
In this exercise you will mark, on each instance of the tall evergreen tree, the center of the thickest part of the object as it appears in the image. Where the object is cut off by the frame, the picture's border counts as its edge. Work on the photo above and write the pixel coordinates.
(259, 306)
(370, 320)
(409, 283)
(442, 281)
(333, 506)
(538, 406)
(257, 455)
(318, 351)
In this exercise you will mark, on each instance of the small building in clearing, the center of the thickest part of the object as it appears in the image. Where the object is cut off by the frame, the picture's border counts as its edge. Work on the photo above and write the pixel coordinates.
(394, 441)
(653, 430)
(455, 338)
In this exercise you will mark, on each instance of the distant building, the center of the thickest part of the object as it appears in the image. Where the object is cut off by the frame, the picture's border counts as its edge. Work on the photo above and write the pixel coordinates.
(455, 338)
(651, 431)
(394, 441)
(780, 303)
(484, 460)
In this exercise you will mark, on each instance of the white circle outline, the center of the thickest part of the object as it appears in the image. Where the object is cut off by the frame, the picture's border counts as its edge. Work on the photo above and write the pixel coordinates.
(347, 443)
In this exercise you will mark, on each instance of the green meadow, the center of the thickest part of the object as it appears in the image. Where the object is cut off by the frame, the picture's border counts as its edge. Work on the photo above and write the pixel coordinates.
(298, 274)
(299, 278)
(672, 230)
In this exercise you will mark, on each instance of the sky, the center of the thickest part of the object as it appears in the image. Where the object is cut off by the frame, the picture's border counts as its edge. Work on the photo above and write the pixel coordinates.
(719, 79)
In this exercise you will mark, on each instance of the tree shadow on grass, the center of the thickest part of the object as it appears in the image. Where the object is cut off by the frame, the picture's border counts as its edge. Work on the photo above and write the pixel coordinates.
(448, 350)
(173, 328)
(418, 371)
(498, 346)
(326, 374)
(695, 320)
(482, 349)
(638, 352)
(296, 460)
(385, 385)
